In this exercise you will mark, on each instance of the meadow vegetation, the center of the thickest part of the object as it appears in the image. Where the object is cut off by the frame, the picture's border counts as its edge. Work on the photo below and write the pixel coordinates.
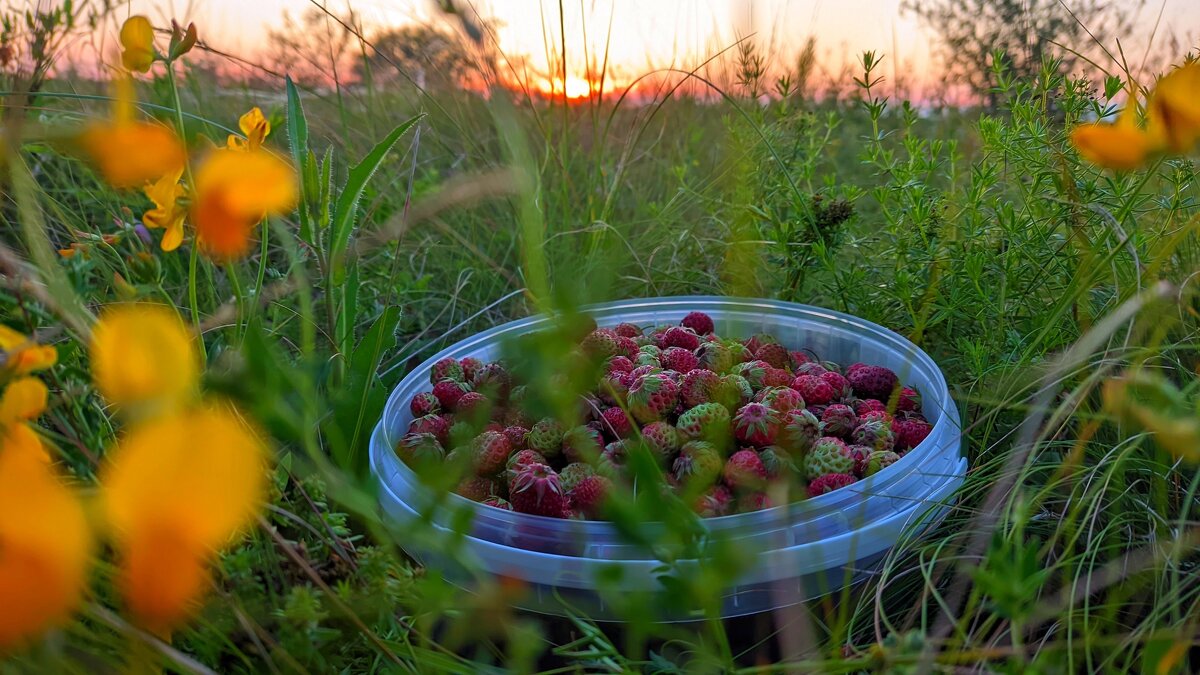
(1057, 296)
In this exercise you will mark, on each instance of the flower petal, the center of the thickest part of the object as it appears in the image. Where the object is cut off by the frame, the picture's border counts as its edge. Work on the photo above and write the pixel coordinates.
(24, 399)
(21, 355)
(131, 154)
(163, 577)
(143, 353)
(1174, 107)
(137, 43)
(1119, 146)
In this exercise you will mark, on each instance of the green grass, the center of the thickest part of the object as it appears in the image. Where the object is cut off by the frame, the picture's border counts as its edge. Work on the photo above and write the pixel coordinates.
(1031, 279)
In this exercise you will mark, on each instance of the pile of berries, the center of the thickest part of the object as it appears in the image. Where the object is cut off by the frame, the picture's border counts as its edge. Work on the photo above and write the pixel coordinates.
(725, 419)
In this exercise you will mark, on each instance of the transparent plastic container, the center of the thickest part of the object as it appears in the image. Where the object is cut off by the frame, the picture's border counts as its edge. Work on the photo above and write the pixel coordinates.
(803, 549)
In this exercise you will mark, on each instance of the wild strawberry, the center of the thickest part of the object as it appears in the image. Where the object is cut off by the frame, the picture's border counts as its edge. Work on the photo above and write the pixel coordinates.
(537, 490)
(774, 354)
(615, 423)
(776, 461)
(573, 473)
(611, 464)
(493, 380)
(420, 448)
(472, 406)
(841, 387)
(810, 368)
(909, 401)
(546, 437)
(698, 464)
(716, 501)
(873, 382)
(753, 501)
(662, 439)
(677, 336)
(470, 366)
(698, 386)
(424, 403)
(717, 357)
(860, 454)
(706, 422)
(447, 369)
(437, 425)
(755, 373)
(744, 471)
(699, 322)
(619, 364)
(478, 488)
(797, 357)
(514, 416)
(733, 392)
(600, 343)
(910, 432)
(589, 495)
(875, 433)
(828, 483)
(828, 455)
(813, 389)
(678, 359)
(853, 367)
(489, 452)
(627, 347)
(644, 370)
(497, 503)
(866, 405)
(628, 330)
(652, 397)
(581, 444)
(838, 420)
(517, 436)
(521, 458)
(756, 424)
(448, 392)
(756, 341)
(880, 460)
(800, 430)
(777, 377)
(782, 399)
(614, 387)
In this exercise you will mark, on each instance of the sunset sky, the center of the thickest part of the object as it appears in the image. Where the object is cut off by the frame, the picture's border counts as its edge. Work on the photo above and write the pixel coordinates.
(651, 34)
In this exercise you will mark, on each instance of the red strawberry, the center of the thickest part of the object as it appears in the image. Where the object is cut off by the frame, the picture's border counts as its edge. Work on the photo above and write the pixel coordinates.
(498, 503)
(493, 379)
(841, 388)
(909, 401)
(755, 373)
(627, 347)
(853, 367)
(810, 368)
(813, 389)
(756, 342)
(777, 377)
(424, 404)
(744, 471)
(756, 424)
(699, 322)
(437, 425)
(797, 358)
(448, 392)
(860, 454)
(614, 387)
(447, 369)
(652, 397)
(472, 406)
(774, 354)
(620, 364)
(698, 386)
(866, 405)
(516, 436)
(678, 359)
(589, 494)
(782, 399)
(910, 432)
(489, 452)
(535, 489)
(615, 423)
(714, 502)
(522, 458)
(838, 420)
(470, 366)
(873, 382)
(801, 429)
(828, 483)
(662, 439)
(680, 337)
(478, 488)
(627, 330)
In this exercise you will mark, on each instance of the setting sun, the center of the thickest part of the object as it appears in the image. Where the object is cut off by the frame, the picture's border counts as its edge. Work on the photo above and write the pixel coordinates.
(575, 87)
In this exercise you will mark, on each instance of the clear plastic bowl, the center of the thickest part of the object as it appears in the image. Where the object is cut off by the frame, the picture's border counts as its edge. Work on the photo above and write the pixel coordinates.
(804, 549)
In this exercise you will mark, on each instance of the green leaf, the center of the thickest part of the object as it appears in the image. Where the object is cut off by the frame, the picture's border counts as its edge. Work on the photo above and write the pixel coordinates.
(358, 403)
(297, 132)
(347, 203)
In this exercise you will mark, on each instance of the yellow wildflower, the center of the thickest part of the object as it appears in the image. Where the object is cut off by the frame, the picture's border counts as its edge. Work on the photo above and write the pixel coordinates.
(43, 559)
(235, 189)
(137, 44)
(21, 356)
(23, 399)
(1121, 146)
(143, 353)
(167, 212)
(255, 127)
(1174, 107)
(175, 490)
(130, 153)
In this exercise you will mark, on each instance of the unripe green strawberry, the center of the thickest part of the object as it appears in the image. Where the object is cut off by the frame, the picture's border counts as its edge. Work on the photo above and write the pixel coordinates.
(573, 473)
(875, 433)
(582, 444)
(800, 430)
(652, 397)
(546, 437)
(717, 357)
(828, 455)
(708, 422)
(662, 439)
(698, 464)
(420, 449)
(880, 460)
(733, 392)
(777, 462)
(601, 343)
(698, 386)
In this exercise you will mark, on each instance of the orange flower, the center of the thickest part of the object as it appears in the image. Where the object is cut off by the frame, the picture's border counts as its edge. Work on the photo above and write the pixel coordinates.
(255, 127)
(1121, 146)
(127, 152)
(137, 44)
(142, 353)
(22, 356)
(235, 189)
(1174, 108)
(167, 212)
(175, 490)
(24, 399)
(43, 559)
